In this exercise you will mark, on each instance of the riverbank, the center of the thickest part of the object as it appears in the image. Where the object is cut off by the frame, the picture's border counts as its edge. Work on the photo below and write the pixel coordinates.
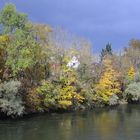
(30, 114)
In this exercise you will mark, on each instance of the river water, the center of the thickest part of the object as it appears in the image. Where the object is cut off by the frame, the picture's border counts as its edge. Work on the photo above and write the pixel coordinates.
(120, 123)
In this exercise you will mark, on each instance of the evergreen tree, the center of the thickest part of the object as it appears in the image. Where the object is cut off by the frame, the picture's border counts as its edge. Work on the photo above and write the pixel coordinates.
(106, 51)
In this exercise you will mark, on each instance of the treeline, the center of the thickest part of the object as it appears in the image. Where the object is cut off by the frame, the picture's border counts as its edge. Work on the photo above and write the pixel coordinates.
(44, 69)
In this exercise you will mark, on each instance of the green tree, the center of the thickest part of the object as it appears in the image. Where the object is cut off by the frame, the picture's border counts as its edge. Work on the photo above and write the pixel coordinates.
(22, 49)
(106, 51)
(10, 19)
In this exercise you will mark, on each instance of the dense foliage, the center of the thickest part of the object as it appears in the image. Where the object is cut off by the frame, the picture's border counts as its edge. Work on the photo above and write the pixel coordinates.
(132, 92)
(10, 98)
(48, 69)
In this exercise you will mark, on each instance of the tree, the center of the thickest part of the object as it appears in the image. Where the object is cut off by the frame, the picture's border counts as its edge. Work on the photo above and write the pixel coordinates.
(108, 84)
(22, 49)
(10, 19)
(4, 39)
(106, 51)
(69, 81)
(131, 55)
(61, 93)
(131, 74)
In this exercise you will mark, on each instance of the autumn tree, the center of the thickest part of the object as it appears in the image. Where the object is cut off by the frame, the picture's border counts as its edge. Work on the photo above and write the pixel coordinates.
(108, 84)
(130, 56)
(131, 73)
(62, 93)
(86, 59)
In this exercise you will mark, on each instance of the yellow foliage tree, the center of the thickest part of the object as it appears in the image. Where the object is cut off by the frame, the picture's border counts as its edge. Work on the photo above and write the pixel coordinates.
(68, 94)
(63, 93)
(108, 84)
(131, 73)
(4, 39)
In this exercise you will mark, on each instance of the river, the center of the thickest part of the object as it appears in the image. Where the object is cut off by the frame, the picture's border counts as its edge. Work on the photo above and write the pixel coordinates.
(119, 123)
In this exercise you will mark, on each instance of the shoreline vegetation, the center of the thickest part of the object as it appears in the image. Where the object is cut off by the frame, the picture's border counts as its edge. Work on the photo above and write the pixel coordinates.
(45, 69)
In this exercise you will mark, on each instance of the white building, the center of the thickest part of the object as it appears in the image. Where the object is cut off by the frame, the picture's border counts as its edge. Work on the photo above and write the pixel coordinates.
(73, 63)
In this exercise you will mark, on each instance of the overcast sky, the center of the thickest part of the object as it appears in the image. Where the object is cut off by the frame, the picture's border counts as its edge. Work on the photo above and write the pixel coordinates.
(100, 21)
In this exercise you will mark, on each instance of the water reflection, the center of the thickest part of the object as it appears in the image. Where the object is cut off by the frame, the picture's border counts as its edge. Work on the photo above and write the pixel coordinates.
(121, 123)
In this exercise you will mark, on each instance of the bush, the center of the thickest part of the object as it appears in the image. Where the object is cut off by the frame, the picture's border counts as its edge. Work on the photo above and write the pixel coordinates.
(59, 95)
(132, 92)
(10, 99)
(137, 77)
(33, 100)
(49, 93)
(88, 93)
(113, 100)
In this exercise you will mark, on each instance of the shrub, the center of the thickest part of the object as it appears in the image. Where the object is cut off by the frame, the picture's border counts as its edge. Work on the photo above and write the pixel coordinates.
(88, 94)
(59, 95)
(137, 77)
(132, 92)
(33, 100)
(10, 99)
(113, 100)
(49, 93)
